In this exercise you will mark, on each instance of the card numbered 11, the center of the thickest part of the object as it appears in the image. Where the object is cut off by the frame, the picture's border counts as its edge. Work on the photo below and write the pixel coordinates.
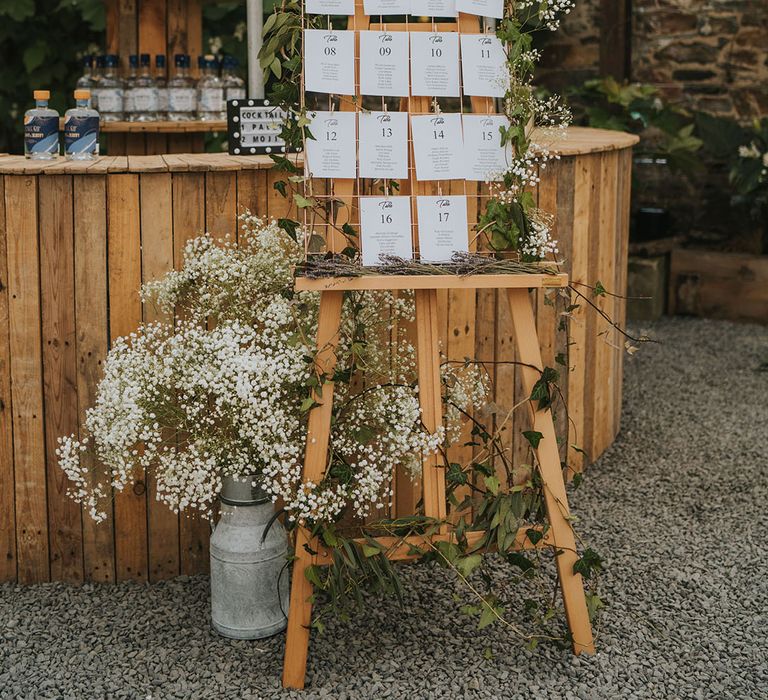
(385, 228)
(443, 228)
(333, 150)
(483, 66)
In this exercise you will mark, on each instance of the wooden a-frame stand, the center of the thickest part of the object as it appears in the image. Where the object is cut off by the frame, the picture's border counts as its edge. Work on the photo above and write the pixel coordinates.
(560, 534)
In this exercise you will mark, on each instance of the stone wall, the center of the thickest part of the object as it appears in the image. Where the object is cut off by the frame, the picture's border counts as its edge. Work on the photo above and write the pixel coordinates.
(710, 55)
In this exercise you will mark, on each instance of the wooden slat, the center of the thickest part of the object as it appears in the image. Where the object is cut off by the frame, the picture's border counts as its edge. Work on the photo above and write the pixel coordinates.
(135, 144)
(221, 204)
(252, 192)
(152, 27)
(193, 13)
(124, 246)
(26, 379)
(621, 244)
(156, 260)
(57, 276)
(177, 30)
(7, 506)
(156, 143)
(188, 223)
(90, 233)
(521, 281)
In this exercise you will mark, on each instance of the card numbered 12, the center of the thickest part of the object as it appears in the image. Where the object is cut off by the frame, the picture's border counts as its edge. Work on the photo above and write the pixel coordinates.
(329, 61)
(385, 228)
(333, 150)
(443, 228)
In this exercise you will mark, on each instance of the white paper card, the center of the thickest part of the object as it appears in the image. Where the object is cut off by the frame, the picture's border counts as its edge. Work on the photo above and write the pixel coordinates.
(437, 146)
(332, 153)
(483, 65)
(433, 8)
(386, 7)
(330, 7)
(435, 64)
(329, 61)
(483, 8)
(384, 145)
(385, 228)
(384, 63)
(484, 158)
(442, 227)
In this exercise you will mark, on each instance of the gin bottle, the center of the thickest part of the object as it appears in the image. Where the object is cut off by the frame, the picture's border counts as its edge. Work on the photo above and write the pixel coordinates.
(210, 93)
(144, 93)
(86, 81)
(41, 129)
(234, 85)
(98, 73)
(129, 86)
(109, 91)
(81, 129)
(182, 96)
(162, 87)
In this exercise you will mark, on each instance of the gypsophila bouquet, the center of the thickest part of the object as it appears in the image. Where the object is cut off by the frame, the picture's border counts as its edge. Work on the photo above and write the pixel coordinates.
(227, 389)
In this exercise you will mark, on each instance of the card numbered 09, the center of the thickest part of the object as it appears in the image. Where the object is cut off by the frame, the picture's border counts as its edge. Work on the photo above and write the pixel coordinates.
(253, 128)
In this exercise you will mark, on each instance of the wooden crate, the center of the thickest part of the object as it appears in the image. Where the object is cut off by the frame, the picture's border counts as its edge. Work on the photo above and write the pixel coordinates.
(77, 240)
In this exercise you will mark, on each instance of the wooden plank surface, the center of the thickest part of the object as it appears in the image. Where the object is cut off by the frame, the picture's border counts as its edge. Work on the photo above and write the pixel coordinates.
(57, 277)
(512, 281)
(90, 241)
(221, 204)
(156, 260)
(152, 27)
(26, 379)
(124, 264)
(7, 506)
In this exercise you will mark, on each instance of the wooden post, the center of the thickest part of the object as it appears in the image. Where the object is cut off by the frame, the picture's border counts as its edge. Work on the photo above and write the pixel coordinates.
(553, 486)
(315, 458)
(616, 38)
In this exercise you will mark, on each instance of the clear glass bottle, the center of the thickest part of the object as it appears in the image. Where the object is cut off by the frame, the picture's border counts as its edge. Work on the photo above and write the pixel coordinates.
(129, 85)
(144, 101)
(41, 129)
(86, 81)
(161, 82)
(81, 129)
(234, 85)
(96, 76)
(210, 93)
(109, 91)
(182, 95)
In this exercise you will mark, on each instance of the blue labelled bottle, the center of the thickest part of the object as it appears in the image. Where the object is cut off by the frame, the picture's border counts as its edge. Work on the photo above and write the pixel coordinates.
(41, 129)
(81, 129)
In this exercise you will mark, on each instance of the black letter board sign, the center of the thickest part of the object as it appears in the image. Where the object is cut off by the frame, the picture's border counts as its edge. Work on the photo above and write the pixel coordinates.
(253, 127)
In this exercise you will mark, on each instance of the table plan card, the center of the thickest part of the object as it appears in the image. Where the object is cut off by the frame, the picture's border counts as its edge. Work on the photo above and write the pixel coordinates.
(483, 65)
(385, 228)
(442, 227)
(386, 7)
(384, 63)
(330, 7)
(484, 158)
(483, 8)
(435, 64)
(384, 145)
(433, 8)
(332, 152)
(329, 61)
(437, 146)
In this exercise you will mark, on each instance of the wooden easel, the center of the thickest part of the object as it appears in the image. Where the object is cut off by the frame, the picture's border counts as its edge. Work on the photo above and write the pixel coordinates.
(308, 550)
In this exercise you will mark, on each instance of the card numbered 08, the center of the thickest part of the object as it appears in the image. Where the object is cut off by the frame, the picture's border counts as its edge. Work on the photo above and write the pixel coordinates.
(253, 128)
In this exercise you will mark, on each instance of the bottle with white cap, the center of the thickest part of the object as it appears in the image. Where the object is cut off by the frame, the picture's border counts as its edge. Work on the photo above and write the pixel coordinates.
(41, 129)
(81, 129)
(210, 93)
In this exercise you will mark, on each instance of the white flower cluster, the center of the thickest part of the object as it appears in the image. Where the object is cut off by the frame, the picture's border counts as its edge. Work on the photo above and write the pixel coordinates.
(539, 242)
(752, 152)
(550, 12)
(220, 393)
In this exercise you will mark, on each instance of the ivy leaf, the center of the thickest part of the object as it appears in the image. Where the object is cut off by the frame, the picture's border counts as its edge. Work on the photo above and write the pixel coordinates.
(289, 226)
(492, 484)
(302, 202)
(466, 565)
(560, 359)
(370, 550)
(599, 290)
(534, 535)
(594, 603)
(455, 474)
(491, 612)
(589, 563)
(534, 437)
(312, 575)
(307, 404)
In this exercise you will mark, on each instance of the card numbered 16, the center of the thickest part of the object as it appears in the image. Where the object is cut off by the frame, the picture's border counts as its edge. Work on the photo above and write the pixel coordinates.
(385, 228)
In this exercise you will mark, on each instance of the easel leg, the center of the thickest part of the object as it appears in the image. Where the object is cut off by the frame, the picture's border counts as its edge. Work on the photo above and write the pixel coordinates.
(430, 397)
(315, 458)
(548, 458)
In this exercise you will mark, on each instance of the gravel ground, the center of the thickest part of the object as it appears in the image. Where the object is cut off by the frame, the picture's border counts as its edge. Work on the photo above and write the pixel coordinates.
(676, 507)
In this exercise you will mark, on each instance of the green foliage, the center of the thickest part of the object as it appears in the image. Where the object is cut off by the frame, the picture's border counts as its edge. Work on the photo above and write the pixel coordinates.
(665, 130)
(42, 43)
